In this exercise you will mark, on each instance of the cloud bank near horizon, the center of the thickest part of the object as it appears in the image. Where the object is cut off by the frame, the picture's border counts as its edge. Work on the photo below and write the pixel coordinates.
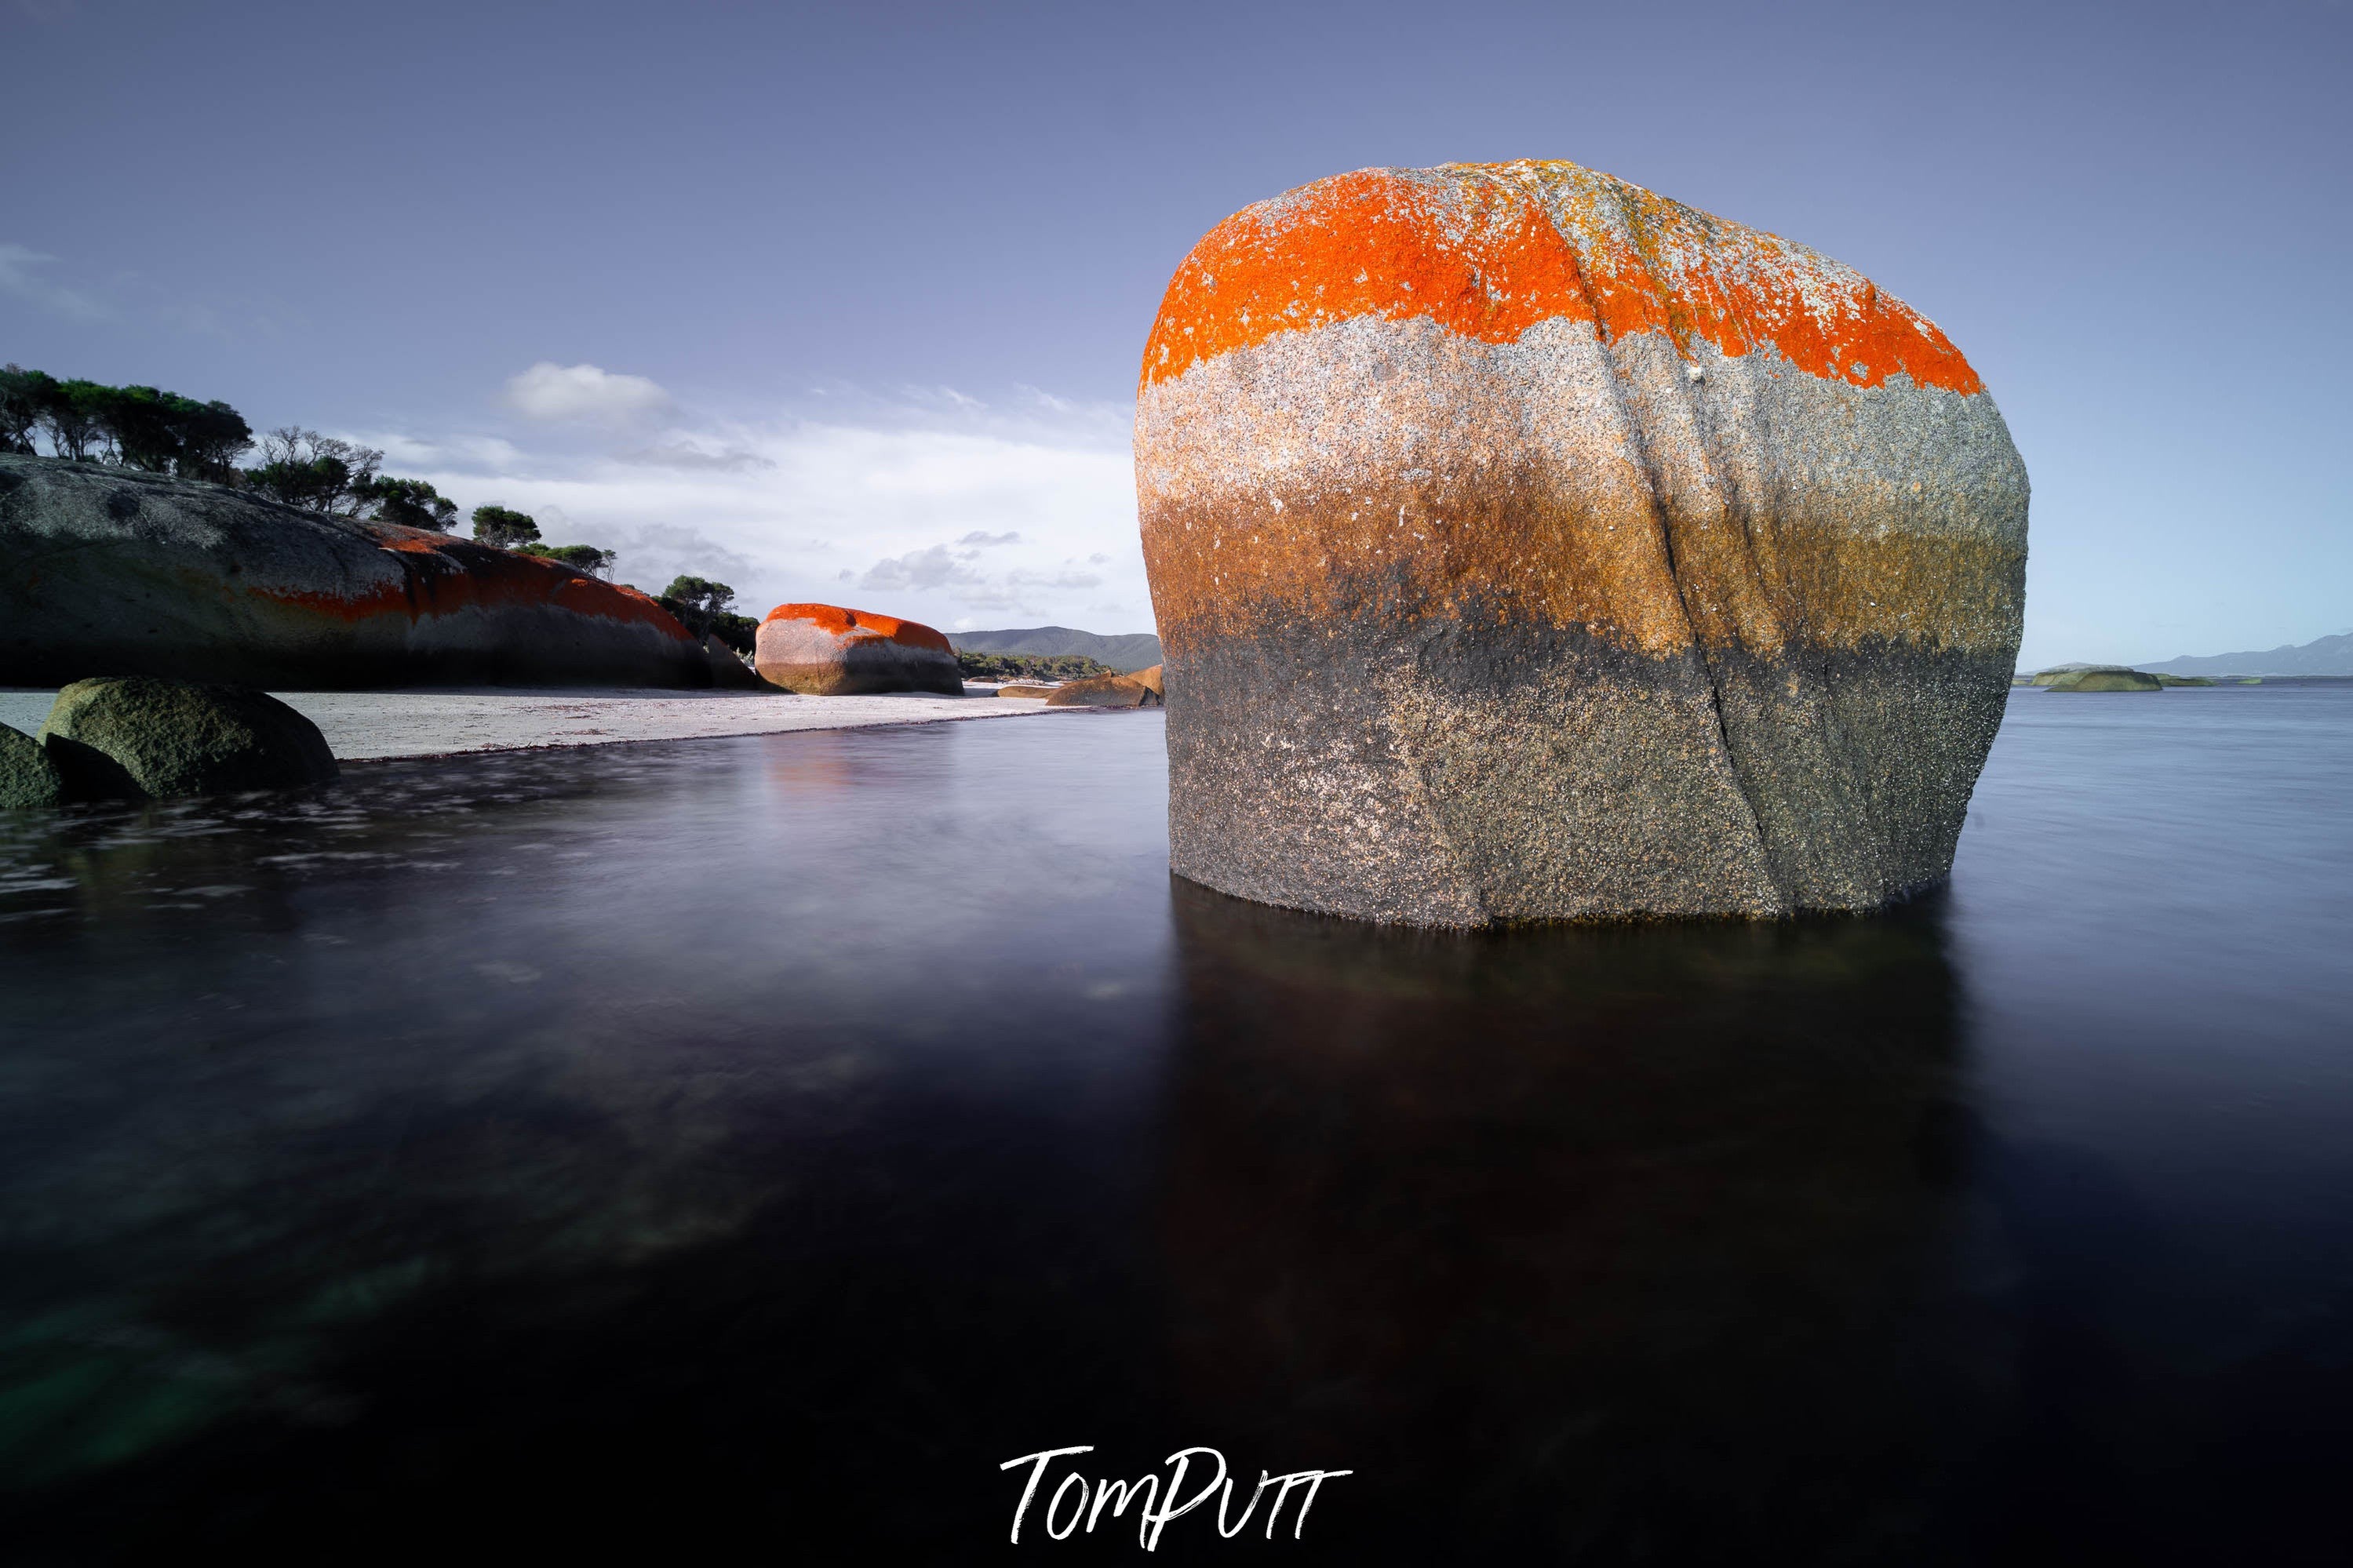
(958, 511)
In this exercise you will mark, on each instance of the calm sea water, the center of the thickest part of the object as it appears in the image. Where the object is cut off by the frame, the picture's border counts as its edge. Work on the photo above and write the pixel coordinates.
(737, 1149)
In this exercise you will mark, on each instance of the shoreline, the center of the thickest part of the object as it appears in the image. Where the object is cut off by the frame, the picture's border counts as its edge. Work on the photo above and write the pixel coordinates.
(446, 722)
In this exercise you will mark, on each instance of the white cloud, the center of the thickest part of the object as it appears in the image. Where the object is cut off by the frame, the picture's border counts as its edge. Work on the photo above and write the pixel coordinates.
(945, 509)
(685, 455)
(552, 392)
(933, 568)
(21, 269)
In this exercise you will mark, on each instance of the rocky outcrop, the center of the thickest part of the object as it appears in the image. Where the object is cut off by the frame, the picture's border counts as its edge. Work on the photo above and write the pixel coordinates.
(1141, 689)
(728, 671)
(1525, 545)
(824, 650)
(127, 737)
(29, 780)
(1034, 693)
(2106, 681)
(109, 571)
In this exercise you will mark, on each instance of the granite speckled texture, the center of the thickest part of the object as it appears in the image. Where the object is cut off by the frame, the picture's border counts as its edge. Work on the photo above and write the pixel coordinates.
(1527, 546)
(29, 780)
(109, 570)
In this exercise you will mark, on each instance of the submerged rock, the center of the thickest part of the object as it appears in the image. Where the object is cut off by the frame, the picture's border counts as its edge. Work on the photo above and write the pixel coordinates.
(109, 571)
(2044, 677)
(29, 780)
(2106, 681)
(1525, 545)
(132, 736)
(824, 650)
(1141, 689)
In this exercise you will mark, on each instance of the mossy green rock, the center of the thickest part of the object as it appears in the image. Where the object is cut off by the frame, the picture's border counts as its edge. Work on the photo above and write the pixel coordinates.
(29, 779)
(2106, 681)
(137, 735)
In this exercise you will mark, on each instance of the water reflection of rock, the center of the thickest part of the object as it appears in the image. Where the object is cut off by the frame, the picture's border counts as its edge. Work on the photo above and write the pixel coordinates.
(1617, 1242)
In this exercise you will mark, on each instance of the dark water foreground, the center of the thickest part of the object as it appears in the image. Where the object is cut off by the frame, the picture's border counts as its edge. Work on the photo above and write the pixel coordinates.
(735, 1151)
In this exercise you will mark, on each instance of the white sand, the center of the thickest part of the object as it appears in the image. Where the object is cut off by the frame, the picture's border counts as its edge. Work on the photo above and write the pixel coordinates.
(361, 726)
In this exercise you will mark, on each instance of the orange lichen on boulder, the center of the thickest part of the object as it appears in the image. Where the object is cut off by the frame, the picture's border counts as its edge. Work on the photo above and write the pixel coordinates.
(840, 622)
(1490, 250)
(825, 650)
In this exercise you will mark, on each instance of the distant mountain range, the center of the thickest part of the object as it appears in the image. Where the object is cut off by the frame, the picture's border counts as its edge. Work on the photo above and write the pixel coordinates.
(2326, 655)
(1133, 651)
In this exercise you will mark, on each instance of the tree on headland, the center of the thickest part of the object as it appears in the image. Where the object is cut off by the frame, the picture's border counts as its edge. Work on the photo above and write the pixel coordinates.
(503, 527)
(315, 472)
(24, 405)
(70, 420)
(162, 432)
(412, 503)
(579, 557)
(165, 432)
(137, 427)
(706, 609)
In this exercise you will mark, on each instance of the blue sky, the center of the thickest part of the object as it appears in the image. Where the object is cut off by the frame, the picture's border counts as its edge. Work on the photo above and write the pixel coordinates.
(829, 301)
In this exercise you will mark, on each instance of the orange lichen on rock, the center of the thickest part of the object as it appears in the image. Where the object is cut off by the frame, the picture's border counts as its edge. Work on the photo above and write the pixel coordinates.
(1490, 250)
(144, 574)
(843, 622)
(441, 576)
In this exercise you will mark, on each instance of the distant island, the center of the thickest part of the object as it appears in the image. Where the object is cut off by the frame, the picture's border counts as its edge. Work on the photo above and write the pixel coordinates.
(2323, 655)
(1126, 654)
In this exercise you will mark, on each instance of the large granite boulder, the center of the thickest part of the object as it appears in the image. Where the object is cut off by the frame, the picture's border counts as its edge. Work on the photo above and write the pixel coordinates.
(824, 650)
(29, 779)
(109, 571)
(1527, 545)
(134, 736)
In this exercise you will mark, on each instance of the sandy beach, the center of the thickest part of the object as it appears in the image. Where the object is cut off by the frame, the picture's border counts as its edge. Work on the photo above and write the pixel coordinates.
(365, 726)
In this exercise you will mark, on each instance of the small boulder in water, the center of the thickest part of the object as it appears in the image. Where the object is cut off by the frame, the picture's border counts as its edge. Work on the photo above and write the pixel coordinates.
(127, 737)
(2106, 681)
(29, 780)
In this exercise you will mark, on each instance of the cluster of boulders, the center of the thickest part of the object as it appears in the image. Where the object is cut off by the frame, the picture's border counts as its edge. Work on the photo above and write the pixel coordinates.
(1525, 545)
(144, 738)
(108, 569)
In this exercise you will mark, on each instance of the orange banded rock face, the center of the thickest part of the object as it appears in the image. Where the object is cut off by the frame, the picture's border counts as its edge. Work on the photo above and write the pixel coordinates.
(824, 650)
(1527, 545)
(108, 571)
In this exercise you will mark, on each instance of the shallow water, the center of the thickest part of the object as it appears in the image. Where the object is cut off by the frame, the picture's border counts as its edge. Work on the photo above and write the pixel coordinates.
(747, 1145)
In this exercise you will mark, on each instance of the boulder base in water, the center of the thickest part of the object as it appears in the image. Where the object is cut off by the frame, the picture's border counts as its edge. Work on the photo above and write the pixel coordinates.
(824, 650)
(29, 780)
(1525, 545)
(109, 571)
(129, 736)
